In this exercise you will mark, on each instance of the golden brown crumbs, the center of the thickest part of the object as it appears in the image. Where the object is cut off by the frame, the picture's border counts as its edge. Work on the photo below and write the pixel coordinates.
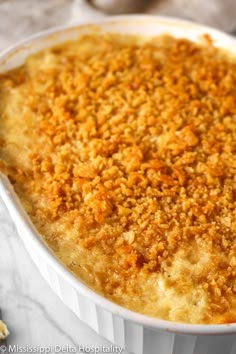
(123, 151)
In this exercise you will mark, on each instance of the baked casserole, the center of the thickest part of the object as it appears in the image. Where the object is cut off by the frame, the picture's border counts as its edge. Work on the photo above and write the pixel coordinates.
(122, 151)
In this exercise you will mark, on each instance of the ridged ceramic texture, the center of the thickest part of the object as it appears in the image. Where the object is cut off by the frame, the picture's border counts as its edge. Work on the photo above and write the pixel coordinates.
(133, 337)
(136, 337)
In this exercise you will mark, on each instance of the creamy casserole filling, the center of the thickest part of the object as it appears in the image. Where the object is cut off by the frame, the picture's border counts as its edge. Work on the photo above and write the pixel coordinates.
(123, 152)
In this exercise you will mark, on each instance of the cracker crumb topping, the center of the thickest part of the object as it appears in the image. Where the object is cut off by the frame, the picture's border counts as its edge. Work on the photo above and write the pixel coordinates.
(122, 151)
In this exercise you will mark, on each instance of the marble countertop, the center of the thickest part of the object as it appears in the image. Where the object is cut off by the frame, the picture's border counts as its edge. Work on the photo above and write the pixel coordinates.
(34, 314)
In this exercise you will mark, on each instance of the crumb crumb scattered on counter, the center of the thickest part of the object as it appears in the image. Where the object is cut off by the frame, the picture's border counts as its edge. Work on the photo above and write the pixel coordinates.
(3, 331)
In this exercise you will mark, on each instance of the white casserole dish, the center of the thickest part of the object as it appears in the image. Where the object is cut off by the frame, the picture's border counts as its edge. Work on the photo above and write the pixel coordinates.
(135, 332)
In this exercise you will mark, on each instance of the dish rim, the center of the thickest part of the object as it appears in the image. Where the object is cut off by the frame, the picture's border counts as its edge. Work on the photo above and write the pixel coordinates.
(22, 220)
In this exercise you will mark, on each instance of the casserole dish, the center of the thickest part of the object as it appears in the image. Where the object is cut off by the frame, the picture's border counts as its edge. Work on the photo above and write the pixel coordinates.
(136, 333)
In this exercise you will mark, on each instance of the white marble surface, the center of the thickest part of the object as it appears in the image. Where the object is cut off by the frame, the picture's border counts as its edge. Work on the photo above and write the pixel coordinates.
(33, 313)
